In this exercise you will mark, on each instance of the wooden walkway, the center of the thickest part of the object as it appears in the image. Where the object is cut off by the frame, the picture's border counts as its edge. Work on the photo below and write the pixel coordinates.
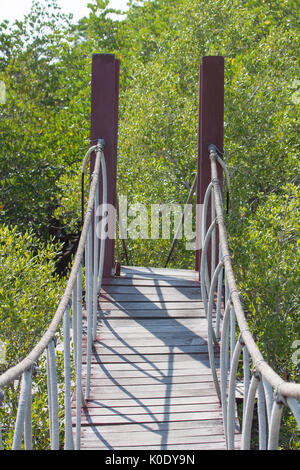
(151, 384)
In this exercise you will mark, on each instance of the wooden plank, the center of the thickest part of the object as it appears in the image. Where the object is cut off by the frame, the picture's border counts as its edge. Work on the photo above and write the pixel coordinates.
(195, 331)
(122, 382)
(183, 327)
(126, 351)
(190, 427)
(140, 276)
(129, 353)
(198, 356)
(164, 338)
(156, 439)
(157, 297)
(189, 326)
(146, 290)
(167, 272)
(152, 401)
(169, 340)
(154, 358)
(149, 282)
(156, 386)
(132, 324)
(104, 349)
(98, 393)
(194, 304)
(206, 446)
(141, 393)
(140, 435)
(137, 371)
(166, 335)
(154, 328)
(160, 276)
(155, 410)
(147, 367)
(136, 376)
(190, 288)
(151, 313)
(87, 419)
(193, 327)
(163, 439)
(124, 298)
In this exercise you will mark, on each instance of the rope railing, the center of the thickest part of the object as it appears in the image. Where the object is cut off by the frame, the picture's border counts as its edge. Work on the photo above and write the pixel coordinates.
(69, 316)
(260, 381)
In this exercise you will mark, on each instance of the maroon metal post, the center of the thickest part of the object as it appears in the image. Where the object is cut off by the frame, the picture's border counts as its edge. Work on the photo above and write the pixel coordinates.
(211, 124)
(104, 125)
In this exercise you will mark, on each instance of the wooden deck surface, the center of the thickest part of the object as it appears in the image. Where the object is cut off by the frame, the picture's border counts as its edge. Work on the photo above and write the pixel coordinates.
(151, 384)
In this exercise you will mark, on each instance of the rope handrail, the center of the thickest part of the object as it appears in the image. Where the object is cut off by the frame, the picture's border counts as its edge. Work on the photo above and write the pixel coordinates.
(72, 296)
(286, 388)
(273, 391)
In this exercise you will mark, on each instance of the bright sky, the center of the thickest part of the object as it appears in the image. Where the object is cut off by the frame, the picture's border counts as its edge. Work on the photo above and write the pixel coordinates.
(16, 9)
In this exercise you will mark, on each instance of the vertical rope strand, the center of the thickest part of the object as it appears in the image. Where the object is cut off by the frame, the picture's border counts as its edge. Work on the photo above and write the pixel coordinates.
(67, 373)
(54, 396)
(262, 424)
(23, 401)
(89, 308)
(79, 359)
(28, 419)
(95, 266)
(275, 424)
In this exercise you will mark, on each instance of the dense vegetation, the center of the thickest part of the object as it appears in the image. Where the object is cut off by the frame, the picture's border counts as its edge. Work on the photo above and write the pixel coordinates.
(45, 63)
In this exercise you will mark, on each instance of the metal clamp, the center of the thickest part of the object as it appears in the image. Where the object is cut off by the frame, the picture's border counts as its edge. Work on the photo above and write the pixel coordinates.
(241, 340)
(256, 373)
(100, 145)
(212, 148)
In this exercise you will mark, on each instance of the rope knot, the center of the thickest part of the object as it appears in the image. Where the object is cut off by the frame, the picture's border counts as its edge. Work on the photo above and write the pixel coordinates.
(278, 397)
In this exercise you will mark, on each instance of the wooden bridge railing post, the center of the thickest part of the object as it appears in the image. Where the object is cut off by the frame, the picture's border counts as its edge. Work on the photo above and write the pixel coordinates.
(104, 125)
(211, 125)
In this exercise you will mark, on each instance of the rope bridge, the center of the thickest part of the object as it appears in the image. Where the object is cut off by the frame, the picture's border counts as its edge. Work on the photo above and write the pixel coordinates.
(227, 331)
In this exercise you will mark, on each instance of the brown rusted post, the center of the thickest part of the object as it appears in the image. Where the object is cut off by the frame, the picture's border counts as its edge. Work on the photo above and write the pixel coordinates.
(211, 124)
(104, 125)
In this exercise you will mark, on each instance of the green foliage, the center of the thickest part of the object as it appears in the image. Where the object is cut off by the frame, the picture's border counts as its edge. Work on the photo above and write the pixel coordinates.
(267, 263)
(44, 123)
(68, 211)
(29, 290)
(45, 64)
(29, 294)
(40, 410)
